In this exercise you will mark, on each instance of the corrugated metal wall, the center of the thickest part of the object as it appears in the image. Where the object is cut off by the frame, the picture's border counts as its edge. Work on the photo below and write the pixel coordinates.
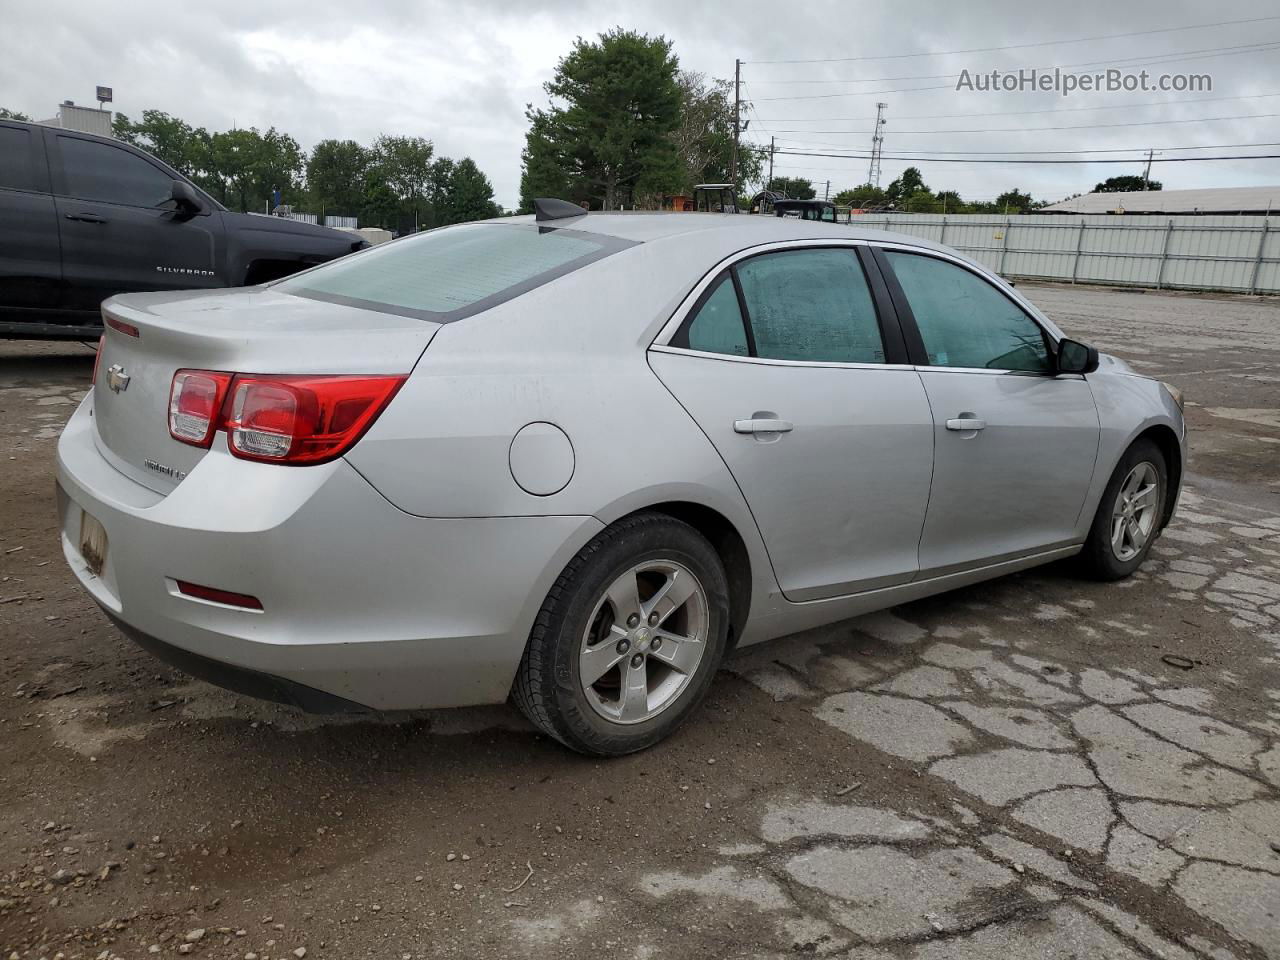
(1238, 254)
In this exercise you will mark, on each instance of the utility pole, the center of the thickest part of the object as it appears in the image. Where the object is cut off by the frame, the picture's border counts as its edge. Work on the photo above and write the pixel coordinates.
(771, 149)
(826, 194)
(1146, 174)
(737, 106)
(877, 140)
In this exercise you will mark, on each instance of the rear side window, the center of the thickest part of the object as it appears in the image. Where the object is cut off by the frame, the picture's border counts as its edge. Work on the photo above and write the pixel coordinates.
(964, 320)
(811, 305)
(445, 275)
(99, 171)
(16, 169)
(718, 327)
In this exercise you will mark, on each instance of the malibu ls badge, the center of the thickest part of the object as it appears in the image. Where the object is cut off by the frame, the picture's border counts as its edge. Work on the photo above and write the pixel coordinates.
(117, 379)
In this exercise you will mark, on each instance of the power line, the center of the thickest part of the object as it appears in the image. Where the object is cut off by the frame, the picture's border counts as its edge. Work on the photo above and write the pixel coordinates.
(1023, 46)
(1205, 54)
(857, 153)
(1078, 126)
(1138, 159)
(1133, 61)
(1017, 113)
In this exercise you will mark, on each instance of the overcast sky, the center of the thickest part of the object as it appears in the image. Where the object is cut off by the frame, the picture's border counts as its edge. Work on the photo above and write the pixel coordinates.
(461, 74)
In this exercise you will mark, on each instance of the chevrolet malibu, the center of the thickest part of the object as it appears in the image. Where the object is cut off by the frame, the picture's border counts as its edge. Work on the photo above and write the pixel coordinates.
(575, 459)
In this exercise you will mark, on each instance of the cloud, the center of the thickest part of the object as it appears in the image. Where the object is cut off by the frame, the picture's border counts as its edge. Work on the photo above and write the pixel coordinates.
(461, 75)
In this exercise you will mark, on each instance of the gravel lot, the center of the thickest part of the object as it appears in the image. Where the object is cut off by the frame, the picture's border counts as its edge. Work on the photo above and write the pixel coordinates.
(1008, 771)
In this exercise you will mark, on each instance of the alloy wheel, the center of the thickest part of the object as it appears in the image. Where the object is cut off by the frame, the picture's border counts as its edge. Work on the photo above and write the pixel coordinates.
(1133, 516)
(644, 641)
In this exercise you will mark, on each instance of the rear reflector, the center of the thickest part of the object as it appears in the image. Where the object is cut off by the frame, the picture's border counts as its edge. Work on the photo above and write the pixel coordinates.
(277, 419)
(215, 595)
(128, 329)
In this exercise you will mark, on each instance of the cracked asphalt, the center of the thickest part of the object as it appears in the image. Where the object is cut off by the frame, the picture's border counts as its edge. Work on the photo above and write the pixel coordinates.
(1036, 767)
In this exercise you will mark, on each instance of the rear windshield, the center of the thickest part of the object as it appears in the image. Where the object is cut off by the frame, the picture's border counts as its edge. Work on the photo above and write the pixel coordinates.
(455, 272)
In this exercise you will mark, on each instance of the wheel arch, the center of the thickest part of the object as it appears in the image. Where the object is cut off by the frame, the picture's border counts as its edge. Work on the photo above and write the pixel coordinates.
(729, 545)
(1166, 440)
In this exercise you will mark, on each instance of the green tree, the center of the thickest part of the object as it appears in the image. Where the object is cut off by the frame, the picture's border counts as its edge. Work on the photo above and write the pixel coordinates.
(404, 164)
(246, 166)
(796, 188)
(1125, 183)
(606, 134)
(1013, 201)
(379, 205)
(922, 201)
(703, 137)
(469, 194)
(7, 114)
(909, 183)
(949, 201)
(168, 138)
(541, 171)
(335, 175)
(864, 197)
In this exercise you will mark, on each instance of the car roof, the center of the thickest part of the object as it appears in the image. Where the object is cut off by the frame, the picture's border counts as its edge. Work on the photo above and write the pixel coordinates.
(721, 229)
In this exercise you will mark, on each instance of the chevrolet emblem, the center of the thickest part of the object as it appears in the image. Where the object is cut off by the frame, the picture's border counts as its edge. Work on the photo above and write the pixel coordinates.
(117, 379)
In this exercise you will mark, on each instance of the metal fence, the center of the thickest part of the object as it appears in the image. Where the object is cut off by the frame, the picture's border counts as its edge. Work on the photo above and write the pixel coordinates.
(1233, 253)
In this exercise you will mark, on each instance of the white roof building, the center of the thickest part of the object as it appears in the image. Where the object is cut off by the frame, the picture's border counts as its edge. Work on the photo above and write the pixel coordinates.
(83, 119)
(1217, 200)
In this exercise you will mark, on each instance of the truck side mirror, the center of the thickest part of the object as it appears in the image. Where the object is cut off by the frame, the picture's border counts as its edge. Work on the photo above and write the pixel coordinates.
(186, 199)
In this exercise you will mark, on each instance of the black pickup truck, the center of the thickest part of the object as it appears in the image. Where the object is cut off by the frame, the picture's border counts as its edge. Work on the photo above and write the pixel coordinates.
(84, 217)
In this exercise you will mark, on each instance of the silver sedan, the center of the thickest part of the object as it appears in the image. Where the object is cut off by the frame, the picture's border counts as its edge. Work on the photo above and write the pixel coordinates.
(574, 459)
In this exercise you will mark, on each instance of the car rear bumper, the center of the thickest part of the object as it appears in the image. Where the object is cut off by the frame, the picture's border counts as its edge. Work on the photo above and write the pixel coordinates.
(363, 604)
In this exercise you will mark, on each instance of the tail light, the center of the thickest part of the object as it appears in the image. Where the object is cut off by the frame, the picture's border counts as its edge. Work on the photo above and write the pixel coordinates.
(97, 360)
(195, 399)
(277, 419)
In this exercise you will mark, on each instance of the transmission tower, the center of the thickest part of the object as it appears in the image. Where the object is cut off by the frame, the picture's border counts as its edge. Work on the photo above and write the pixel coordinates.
(877, 146)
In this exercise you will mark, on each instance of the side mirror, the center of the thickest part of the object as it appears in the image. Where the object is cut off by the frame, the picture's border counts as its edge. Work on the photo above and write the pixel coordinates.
(1076, 357)
(186, 198)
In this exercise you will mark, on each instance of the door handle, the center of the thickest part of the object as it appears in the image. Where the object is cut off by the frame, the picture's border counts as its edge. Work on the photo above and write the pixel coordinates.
(965, 424)
(763, 426)
(86, 217)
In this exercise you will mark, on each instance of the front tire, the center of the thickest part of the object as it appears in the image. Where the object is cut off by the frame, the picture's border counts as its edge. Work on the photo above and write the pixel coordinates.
(1129, 514)
(629, 638)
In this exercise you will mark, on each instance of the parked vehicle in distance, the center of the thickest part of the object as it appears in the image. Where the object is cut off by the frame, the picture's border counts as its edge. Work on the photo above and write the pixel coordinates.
(823, 210)
(575, 459)
(85, 217)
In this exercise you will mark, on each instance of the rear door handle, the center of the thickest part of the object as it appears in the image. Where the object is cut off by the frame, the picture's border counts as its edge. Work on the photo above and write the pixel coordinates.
(763, 426)
(86, 217)
(965, 424)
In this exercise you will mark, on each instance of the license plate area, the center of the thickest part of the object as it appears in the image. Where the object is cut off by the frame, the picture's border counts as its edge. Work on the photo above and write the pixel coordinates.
(93, 543)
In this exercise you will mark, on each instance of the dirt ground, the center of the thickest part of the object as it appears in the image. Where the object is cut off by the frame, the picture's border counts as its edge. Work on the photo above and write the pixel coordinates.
(1018, 769)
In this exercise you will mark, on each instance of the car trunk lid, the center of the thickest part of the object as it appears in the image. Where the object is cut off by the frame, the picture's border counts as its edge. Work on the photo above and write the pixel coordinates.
(252, 330)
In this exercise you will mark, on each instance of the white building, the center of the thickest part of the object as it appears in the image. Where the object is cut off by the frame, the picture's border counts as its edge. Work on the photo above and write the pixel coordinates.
(1215, 200)
(82, 119)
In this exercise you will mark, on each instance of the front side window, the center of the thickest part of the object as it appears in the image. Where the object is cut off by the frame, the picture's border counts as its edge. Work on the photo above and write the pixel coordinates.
(99, 171)
(455, 272)
(811, 305)
(964, 320)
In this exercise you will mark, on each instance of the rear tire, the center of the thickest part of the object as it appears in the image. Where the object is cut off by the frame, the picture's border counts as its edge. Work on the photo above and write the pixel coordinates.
(1129, 515)
(629, 639)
